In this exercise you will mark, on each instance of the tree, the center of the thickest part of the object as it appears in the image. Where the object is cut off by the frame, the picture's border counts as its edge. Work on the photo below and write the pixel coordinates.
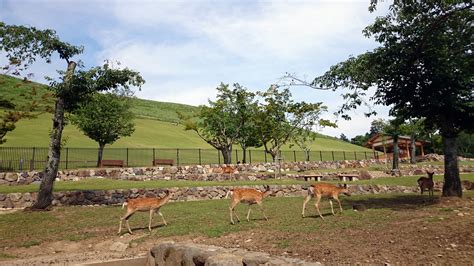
(304, 141)
(360, 140)
(423, 69)
(104, 118)
(343, 137)
(393, 128)
(24, 45)
(220, 123)
(415, 129)
(248, 135)
(279, 119)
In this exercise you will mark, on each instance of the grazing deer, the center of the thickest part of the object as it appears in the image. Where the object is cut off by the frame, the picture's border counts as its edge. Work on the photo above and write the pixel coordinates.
(247, 195)
(144, 204)
(426, 183)
(328, 190)
(228, 170)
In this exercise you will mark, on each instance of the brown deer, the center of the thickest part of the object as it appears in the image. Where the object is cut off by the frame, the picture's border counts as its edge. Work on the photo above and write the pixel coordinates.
(249, 196)
(327, 190)
(426, 183)
(144, 204)
(228, 170)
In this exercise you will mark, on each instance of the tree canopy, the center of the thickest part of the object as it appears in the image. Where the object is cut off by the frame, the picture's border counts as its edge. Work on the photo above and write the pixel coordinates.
(423, 69)
(105, 118)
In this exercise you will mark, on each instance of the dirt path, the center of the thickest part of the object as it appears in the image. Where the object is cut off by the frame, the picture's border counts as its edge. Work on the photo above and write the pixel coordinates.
(441, 233)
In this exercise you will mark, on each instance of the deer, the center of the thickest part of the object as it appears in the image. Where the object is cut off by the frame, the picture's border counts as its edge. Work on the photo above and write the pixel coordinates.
(327, 190)
(426, 183)
(249, 196)
(144, 204)
(228, 170)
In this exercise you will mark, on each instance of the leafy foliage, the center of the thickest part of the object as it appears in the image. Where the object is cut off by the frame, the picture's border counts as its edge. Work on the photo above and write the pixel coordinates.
(279, 119)
(220, 124)
(104, 118)
(423, 69)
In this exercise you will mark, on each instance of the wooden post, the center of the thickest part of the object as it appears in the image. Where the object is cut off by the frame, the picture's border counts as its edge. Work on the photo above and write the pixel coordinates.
(199, 151)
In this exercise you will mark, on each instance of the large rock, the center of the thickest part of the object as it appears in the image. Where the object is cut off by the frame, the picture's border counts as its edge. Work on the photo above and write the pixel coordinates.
(224, 259)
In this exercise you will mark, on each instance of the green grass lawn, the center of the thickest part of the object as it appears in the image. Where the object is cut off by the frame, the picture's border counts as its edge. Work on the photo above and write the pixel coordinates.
(204, 218)
(107, 184)
(208, 218)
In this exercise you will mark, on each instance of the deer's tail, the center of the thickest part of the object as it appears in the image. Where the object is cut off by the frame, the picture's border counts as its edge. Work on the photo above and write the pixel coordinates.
(124, 204)
(230, 192)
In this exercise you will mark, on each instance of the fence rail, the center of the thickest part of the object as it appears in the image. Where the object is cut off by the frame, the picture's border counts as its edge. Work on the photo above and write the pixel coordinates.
(22, 159)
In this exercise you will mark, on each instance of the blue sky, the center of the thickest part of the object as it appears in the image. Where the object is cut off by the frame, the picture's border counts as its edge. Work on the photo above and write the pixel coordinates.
(184, 49)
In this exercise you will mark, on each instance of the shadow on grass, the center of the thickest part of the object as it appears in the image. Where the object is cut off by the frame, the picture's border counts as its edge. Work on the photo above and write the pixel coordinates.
(396, 203)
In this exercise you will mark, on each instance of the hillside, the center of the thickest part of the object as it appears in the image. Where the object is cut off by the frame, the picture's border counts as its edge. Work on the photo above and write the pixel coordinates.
(155, 124)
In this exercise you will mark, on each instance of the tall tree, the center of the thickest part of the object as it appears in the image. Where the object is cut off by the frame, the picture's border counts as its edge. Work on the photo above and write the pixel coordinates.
(105, 118)
(25, 45)
(279, 118)
(220, 123)
(423, 69)
(415, 129)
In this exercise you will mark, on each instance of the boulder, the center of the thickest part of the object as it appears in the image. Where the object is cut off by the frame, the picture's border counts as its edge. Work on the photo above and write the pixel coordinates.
(364, 175)
(224, 259)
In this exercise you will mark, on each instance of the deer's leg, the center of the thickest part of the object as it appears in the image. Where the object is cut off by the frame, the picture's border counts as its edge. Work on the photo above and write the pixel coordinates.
(263, 210)
(162, 217)
(318, 199)
(248, 214)
(308, 198)
(332, 209)
(126, 217)
(338, 201)
(151, 217)
(232, 212)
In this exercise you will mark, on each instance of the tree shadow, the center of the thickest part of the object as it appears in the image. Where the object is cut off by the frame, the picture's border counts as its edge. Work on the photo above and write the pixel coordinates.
(396, 203)
(316, 216)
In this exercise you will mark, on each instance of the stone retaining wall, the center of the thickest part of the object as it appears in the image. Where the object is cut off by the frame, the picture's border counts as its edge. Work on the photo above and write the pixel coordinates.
(171, 253)
(118, 196)
(214, 172)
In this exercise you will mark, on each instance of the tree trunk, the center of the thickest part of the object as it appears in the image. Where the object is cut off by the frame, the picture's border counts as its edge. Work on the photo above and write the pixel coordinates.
(244, 154)
(413, 149)
(227, 155)
(395, 153)
(452, 181)
(45, 195)
(100, 153)
(306, 156)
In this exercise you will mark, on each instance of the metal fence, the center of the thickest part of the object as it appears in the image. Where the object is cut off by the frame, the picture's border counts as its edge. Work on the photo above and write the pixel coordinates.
(21, 159)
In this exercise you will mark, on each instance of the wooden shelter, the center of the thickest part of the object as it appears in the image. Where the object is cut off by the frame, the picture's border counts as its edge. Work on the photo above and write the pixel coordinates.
(384, 143)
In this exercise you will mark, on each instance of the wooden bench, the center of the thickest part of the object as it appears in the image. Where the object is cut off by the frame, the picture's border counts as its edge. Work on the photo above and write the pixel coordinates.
(118, 163)
(347, 177)
(163, 162)
(316, 177)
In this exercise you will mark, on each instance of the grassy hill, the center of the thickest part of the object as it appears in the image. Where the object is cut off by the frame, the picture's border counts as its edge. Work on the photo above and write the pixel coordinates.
(155, 124)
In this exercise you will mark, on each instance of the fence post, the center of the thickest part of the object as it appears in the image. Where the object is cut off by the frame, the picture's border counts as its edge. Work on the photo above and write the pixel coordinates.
(127, 156)
(344, 153)
(250, 156)
(199, 151)
(264, 152)
(320, 156)
(154, 158)
(294, 155)
(332, 155)
(365, 153)
(355, 156)
(67, 156)
(236, 156)
(32, 163)
(218, 157)
(177, 157)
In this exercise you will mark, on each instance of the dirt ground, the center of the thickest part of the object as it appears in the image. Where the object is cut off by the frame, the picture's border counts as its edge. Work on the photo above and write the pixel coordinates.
(441, 233)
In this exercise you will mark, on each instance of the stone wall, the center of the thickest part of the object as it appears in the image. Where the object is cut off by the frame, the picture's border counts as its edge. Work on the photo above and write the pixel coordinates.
(214, 172)
(171, 253)
(118, 196)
